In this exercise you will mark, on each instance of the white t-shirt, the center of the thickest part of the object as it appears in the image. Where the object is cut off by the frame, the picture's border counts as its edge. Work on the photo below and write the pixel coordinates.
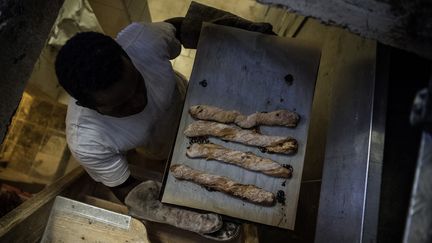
(100, 142)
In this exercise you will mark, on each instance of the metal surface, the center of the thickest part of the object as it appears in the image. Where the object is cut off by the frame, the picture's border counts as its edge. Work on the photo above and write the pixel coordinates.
(245, 71)
(353, 160)
(376, 146)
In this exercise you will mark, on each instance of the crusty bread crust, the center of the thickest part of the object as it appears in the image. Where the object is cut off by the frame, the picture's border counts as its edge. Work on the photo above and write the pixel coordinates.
(275, 118)
(274, 144)
(249, 193)
(247, 160)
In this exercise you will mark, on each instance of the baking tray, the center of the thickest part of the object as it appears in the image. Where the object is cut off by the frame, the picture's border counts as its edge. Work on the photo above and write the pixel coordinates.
(246, 71)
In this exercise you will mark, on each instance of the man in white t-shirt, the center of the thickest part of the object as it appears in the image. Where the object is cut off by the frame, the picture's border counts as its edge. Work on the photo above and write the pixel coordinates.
(127, 95)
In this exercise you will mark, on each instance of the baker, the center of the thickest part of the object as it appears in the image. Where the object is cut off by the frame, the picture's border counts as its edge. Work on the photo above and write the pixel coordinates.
(126, 95)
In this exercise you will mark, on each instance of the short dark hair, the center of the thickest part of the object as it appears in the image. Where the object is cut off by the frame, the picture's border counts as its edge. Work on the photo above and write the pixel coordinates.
(89, 62)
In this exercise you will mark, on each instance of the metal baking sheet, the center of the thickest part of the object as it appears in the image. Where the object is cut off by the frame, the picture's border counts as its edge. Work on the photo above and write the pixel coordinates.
(248, 72)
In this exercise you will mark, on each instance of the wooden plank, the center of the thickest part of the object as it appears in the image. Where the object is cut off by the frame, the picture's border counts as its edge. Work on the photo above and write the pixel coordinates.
(112, 18)
(284, 23)
(296, 26)
(274, 16)
(245, 71)
(73, 221)
(72, 228)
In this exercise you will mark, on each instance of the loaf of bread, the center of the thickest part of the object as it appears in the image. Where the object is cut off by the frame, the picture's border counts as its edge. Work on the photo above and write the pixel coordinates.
(249, 193)
(273, 118)
(274, 144)
(247, 160)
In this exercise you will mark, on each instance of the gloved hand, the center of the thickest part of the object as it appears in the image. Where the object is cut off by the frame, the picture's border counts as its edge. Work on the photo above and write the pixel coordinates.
(143, 203)
(235, 21)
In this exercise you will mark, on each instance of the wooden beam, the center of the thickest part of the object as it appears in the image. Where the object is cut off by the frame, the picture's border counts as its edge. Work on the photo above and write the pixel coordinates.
(26, 222)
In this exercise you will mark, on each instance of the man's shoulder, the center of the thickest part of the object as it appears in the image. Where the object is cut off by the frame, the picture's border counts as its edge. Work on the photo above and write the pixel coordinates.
(87, 141)
(88, 130)
(136, 28)
(148, 33)
(83, 127)
(78, 115)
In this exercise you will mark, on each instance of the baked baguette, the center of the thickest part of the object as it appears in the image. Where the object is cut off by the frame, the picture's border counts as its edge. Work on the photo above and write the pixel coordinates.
(275, 144)
(274, 118)
(249, 193)
(247, 160)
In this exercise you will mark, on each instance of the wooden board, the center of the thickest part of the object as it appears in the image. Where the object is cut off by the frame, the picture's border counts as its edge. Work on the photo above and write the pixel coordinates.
(245, 71)
(73, 221)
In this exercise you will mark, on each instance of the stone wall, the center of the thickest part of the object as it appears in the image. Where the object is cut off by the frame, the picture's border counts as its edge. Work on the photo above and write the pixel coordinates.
(24, 28)
(405, 24)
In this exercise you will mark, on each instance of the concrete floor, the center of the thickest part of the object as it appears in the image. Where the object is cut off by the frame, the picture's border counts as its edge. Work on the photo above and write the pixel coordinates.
(165, 9)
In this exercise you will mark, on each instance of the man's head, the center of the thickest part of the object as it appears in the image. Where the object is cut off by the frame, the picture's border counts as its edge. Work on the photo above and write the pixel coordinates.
(97, 72)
